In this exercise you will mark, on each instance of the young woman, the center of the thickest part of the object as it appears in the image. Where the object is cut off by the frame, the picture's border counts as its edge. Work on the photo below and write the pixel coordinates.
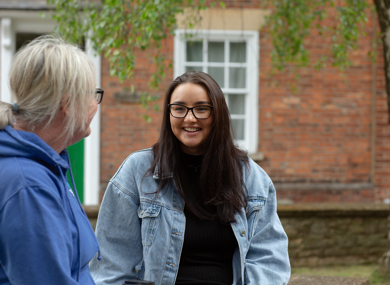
(45, 236)
(194, 209)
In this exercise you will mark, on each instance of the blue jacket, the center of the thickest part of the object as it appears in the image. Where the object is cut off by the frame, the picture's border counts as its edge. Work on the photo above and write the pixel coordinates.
(45, 236)
(151, 249)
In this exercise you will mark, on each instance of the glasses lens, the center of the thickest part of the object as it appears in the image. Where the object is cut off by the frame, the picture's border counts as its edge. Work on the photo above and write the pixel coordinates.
(202, 112)
(99, 95)
(178, 111)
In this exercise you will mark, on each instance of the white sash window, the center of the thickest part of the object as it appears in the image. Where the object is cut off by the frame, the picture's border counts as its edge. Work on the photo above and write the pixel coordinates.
(232, 59)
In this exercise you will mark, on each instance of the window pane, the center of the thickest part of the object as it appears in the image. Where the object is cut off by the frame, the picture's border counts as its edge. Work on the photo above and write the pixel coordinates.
(218, 75)
(194, 51)
(237, 52)
(216, 51)
(194, 68)
(238, 128)
(237, 104)
(237, 77)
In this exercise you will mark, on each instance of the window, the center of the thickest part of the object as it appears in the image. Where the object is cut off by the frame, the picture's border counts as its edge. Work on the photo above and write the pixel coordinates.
(231, 58)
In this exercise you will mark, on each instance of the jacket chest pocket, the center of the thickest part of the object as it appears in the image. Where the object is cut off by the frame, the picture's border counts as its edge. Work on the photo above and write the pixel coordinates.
(254, 208)
(149, 215)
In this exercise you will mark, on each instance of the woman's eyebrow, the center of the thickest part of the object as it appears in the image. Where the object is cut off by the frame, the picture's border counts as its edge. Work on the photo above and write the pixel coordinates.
(178, 102)
(202, 102)
(196, 103)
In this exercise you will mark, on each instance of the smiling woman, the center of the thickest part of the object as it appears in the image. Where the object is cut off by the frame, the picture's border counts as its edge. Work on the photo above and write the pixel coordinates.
(191, 128)
(194, 209)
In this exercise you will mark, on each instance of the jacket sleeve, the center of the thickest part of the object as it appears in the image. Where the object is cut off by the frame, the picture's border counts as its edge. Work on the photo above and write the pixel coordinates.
(267, 260)
(119, 235)
(36, 244)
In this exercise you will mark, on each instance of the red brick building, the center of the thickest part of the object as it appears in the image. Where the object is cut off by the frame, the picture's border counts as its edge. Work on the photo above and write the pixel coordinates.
(328, 141)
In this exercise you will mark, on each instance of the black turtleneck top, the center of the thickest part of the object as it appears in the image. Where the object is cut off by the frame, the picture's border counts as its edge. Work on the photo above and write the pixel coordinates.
(209, 245)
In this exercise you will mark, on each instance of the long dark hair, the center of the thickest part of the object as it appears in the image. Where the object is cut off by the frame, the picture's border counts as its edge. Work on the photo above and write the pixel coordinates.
(221, 177)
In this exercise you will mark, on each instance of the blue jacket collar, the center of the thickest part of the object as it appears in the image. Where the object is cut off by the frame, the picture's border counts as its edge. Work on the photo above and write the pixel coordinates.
(25, 144)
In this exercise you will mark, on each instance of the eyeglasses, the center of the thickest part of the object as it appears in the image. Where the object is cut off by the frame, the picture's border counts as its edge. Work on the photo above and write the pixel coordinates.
(199, 112)
(99, 95)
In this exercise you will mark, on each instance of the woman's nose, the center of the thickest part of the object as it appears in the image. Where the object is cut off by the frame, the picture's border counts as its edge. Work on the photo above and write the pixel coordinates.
(190, 116)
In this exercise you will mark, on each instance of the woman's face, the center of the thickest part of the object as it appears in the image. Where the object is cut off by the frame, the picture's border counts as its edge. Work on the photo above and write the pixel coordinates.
(190, 131)
(93, 107)
(80, 134)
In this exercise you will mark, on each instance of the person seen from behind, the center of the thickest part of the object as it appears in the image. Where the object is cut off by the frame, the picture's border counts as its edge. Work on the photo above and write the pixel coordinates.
(45, 235)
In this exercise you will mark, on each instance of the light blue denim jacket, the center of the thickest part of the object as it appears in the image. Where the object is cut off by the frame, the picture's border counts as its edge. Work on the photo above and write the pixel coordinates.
(141, 236)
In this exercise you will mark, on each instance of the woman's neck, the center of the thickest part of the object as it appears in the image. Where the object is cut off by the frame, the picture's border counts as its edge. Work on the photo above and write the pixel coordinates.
(51, 134)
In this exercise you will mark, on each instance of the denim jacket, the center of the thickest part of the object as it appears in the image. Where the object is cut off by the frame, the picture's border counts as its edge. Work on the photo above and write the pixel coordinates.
(141, 236)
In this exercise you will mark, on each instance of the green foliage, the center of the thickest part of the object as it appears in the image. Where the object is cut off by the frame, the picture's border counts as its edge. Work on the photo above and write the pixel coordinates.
(290, 22)
(380, 276)
(118, 28)
(146, 98)
(362, 271)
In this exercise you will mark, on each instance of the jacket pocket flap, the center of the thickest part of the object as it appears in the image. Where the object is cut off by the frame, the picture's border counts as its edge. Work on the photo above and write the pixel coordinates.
(255, 203)
(148, 210)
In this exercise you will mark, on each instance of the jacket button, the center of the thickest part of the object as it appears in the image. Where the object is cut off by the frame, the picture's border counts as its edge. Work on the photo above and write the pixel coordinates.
(243, 233)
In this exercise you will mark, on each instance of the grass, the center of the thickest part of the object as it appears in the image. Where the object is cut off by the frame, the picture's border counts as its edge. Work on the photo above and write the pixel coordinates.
(371, 272)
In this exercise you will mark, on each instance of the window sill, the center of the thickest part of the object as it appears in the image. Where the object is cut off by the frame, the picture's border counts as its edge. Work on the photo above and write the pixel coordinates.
(257, 156)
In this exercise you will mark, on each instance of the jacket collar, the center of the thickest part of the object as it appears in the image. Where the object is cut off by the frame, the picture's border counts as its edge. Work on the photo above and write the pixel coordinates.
(26, 144)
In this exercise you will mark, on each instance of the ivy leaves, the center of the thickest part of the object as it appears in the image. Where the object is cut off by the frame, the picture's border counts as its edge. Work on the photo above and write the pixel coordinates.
(119, 28)
(290, 23)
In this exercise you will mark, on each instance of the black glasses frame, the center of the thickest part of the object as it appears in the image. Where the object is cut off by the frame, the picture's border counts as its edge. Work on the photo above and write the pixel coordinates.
(189, 109)
(99, 95)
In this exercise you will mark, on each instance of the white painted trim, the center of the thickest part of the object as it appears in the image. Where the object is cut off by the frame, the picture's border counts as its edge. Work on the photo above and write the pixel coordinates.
(178, 53)
(19, 14)
(7, 51)
(253, 50)
(92, 144)
(34, 25)
(252, 76)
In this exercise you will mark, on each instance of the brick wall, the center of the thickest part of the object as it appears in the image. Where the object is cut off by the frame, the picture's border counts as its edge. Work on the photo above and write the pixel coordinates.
(321, 137)
(321, 143)
(123, 126)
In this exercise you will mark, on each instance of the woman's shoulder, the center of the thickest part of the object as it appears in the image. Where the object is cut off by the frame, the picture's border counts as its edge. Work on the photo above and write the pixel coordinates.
(256, 179)
(141, 155)
(139, 161)
(25, 175)
(253, 168)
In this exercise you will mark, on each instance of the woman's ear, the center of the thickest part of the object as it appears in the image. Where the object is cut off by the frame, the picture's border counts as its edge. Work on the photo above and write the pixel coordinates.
(64, 106)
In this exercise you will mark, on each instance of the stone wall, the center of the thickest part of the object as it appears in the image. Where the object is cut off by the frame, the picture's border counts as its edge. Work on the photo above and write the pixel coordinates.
(92, 213)
(335, 234)
(328, 234)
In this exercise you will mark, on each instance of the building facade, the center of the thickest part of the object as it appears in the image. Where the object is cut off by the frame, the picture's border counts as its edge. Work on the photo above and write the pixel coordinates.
(327, 140)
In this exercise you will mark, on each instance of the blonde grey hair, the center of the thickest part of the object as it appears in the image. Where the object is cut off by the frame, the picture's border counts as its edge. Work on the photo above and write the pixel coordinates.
(46, 75)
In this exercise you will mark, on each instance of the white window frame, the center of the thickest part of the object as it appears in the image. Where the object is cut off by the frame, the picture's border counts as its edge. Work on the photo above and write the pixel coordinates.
(13, 22)
(250, 143)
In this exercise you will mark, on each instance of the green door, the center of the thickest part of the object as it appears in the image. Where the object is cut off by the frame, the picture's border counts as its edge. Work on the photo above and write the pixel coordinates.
(76, 154)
